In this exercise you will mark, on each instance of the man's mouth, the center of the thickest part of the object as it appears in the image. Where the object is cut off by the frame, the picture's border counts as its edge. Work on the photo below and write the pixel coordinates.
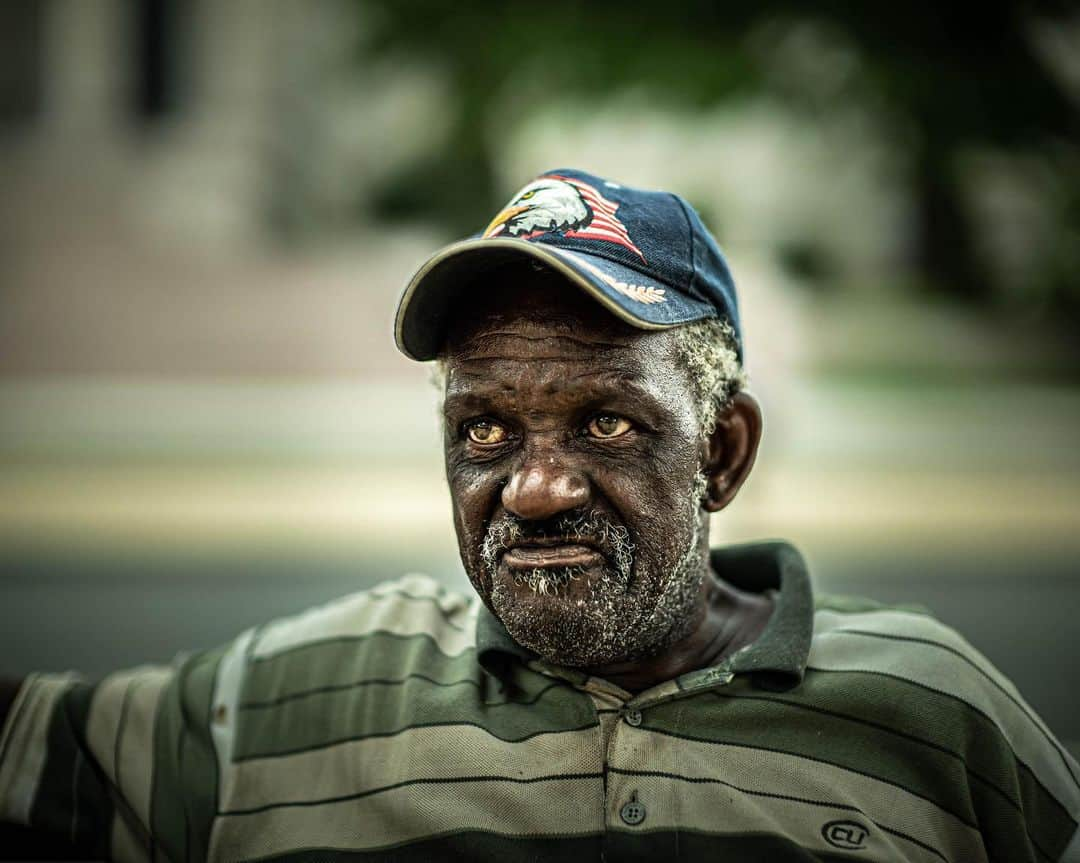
(550, 554)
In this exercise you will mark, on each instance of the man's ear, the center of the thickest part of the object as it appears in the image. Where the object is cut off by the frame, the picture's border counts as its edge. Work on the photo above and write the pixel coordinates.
(730, 450)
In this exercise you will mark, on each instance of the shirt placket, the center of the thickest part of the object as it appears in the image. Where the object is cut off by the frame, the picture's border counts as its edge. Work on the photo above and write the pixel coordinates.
(638, 796)
(609, 702)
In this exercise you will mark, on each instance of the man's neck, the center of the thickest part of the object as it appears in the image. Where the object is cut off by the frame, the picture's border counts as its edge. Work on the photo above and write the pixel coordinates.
(730, 619)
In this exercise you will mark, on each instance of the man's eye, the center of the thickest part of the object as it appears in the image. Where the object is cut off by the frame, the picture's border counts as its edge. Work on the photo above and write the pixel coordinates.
(485, 432)
(608, 426)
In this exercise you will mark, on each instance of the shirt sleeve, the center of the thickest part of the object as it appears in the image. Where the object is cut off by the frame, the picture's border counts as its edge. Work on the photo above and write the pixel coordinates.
(123, 768)
(1071, 854)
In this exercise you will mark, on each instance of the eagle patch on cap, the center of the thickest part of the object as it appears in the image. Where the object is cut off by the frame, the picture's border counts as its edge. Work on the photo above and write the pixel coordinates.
(561, 205)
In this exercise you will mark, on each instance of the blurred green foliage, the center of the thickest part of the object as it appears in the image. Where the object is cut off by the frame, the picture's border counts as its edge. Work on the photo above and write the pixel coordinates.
(943, 78)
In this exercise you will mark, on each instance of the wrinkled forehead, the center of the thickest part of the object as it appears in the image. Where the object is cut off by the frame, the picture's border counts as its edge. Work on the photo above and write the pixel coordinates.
(549, 337)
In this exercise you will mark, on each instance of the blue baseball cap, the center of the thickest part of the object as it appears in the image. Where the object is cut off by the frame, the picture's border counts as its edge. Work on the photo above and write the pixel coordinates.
(644, 255)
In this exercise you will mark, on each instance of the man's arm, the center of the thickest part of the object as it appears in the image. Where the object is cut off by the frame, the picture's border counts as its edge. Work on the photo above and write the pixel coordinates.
(66, 739)
(22, 843)
(8, 690)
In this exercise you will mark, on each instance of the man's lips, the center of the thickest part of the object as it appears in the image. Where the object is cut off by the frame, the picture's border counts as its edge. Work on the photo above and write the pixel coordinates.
(542, 554)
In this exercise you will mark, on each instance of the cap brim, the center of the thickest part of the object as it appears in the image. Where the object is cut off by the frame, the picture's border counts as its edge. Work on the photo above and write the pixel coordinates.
(419, 326)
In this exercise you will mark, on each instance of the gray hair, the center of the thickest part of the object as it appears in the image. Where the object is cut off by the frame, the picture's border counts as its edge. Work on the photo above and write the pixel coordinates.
(708, 351)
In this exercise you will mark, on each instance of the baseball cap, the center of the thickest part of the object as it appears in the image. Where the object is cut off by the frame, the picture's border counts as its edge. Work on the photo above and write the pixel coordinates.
(644, 255)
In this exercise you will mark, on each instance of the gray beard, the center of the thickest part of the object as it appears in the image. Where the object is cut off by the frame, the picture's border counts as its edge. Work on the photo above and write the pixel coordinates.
(627, 614)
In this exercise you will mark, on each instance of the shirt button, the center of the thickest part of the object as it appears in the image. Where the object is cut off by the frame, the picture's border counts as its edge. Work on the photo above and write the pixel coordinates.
(633, 717)
(632, 813)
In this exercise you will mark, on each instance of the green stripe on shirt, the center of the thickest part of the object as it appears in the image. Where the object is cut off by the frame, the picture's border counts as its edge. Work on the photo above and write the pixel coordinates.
(72, 799)
(184, 796)
(333, 717)
(379, 657)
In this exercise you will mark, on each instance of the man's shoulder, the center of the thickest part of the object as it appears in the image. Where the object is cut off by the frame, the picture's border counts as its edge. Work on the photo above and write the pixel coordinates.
(905, 640)
(412, 606)
(912, 676)
(906, 648)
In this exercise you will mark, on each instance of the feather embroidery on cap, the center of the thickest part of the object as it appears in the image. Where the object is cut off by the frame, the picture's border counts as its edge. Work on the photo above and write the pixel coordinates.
(647, 294)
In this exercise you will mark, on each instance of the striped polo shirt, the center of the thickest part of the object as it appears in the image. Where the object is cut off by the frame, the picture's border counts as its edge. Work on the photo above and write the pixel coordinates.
(403, 723)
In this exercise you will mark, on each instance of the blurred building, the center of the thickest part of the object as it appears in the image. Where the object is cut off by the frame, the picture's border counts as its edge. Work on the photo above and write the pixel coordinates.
(159, 159)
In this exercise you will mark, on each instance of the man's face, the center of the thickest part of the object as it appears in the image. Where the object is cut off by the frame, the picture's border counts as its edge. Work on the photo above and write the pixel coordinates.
(572, 454)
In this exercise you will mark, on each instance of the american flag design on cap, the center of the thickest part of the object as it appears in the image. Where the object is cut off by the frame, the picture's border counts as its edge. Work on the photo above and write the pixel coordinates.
(593, 232)
(564, 205)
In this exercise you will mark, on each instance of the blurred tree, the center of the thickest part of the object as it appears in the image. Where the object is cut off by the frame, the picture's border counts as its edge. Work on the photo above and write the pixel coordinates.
(953, 78)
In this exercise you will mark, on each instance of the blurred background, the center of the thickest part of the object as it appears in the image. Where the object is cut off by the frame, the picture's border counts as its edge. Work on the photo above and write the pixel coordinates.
(207, 211)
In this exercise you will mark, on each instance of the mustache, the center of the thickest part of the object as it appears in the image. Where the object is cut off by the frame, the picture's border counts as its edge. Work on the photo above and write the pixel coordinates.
(596, 529)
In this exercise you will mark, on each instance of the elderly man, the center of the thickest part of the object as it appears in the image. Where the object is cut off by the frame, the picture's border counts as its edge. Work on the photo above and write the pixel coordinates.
(615, 691)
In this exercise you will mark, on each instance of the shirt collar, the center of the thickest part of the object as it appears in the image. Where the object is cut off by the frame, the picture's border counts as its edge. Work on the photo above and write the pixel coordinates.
(776, 659)
(496, 651)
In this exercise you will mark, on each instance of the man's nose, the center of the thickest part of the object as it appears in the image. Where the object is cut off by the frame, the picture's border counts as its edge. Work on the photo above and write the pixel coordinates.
(543, 488)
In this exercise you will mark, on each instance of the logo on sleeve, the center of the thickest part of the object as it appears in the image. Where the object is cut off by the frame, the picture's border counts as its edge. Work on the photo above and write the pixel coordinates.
(565, 206)
(848, 835)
